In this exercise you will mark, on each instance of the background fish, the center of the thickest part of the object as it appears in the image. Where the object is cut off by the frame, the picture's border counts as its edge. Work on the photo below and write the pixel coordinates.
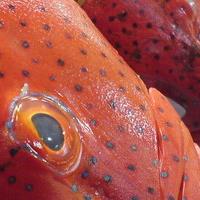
(76, 123)
(160, 41)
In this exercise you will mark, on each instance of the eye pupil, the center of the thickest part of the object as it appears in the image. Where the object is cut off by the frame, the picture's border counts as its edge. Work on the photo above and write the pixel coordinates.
(49, 130)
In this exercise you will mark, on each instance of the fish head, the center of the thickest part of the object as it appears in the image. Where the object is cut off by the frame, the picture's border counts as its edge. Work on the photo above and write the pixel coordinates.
(76, 122)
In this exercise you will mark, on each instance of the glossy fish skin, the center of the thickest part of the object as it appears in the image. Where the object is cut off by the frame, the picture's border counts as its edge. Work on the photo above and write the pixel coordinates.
(160, 41)
(134, 146)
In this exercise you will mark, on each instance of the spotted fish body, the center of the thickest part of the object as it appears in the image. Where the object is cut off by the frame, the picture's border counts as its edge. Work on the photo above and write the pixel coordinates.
(119, 141)
(160, 41)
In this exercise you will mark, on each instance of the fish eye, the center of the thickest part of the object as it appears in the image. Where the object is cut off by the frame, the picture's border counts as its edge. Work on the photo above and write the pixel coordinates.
(47, 129)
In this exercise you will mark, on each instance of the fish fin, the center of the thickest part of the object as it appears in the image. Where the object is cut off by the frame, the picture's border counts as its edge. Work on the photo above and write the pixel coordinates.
(190, 184)
(174, 143)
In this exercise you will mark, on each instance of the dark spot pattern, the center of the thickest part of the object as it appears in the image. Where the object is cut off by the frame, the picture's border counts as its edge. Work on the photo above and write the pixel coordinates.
(4, 166)
(103, 72)
(78, 88)
(121, 73)
(29, 187)
(117, 45)
(93, 122)
(122, 15)
(131, 167)
(155, 162)
(111, 18)
(60, 62)
(133, 147)
(142, 107)
(12, 179)
(49, 44)
(151, 190)
(135, 43)
(137, 54)
(83, 52)
(89, 106)
(185, 177)
(149, 25)
(155, 41)
(175, 158)
(169, 124)
(138, 88)
(135, 25)
(139, 129)
(185, 158)
(103, 55)
(165, 137)
(170, 197)
(94, 20)
(74, 188)
(84, 69)
(114, 5)
(110, 145)
(1, 74)
(157, 57)
(120, 128)
(14, 151)
(164, 174)
(25, 73)
(93, 160)
(166, 48)
(41, 8)
(11, 7)
(85, 174)
(112, 104)
(107, 178)
(154, 47)
(35, 61)
(23, 23)
(122, 89)
(25, 44)
(52, 77)
(160, 109)
(134, 198)
(46, 27)
(87, 197)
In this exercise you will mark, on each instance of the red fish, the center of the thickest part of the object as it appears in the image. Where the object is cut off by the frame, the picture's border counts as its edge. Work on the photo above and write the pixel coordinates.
(76, 123)
(160, 41)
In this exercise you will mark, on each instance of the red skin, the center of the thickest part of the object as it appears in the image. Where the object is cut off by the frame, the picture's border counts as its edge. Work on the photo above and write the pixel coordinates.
(110, 102)
(160, 41)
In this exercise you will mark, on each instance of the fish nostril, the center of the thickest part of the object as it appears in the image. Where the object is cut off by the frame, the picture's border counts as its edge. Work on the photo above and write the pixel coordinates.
(49, 130)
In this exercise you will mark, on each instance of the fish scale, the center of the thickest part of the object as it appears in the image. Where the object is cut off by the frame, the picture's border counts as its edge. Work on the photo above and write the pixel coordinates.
(160, 41)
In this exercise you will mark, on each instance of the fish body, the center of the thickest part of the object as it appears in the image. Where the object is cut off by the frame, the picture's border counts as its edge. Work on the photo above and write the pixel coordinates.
(160, 41)
(76, 123)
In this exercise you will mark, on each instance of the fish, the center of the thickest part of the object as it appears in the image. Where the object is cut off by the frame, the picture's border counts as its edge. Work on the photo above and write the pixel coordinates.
(76, 122)
(160, 41)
